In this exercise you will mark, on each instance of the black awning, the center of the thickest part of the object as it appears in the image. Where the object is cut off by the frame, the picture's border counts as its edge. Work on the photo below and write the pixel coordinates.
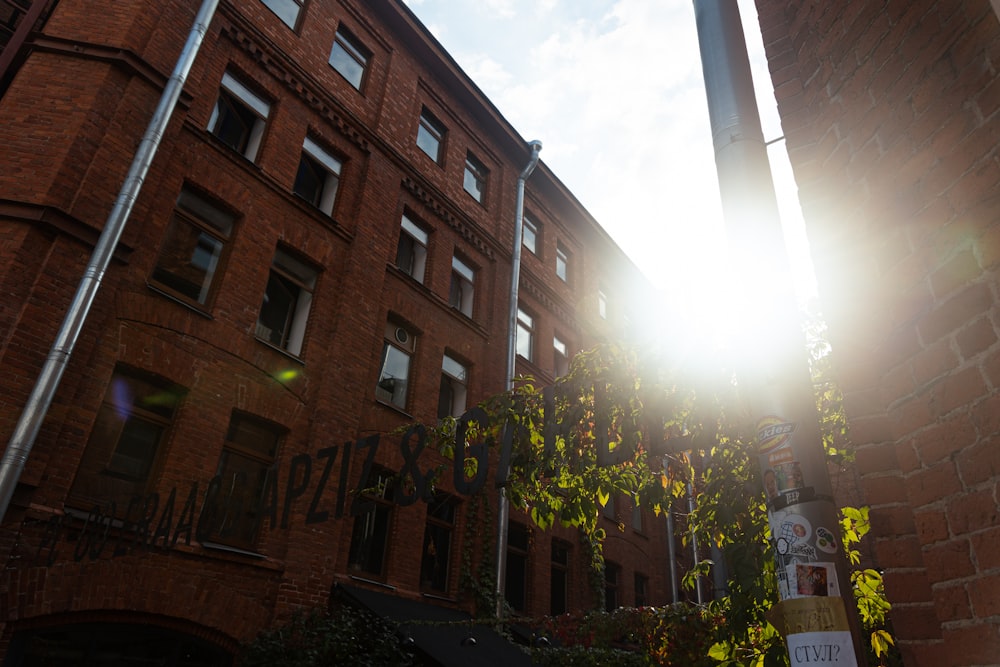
(440, 633)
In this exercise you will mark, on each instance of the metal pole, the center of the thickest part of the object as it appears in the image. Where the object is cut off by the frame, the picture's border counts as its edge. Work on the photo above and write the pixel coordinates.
(30, 422)
(811, 566)
(503, 504)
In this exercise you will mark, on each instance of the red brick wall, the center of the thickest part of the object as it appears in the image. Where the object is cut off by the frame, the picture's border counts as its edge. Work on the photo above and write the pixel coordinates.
(890, 114)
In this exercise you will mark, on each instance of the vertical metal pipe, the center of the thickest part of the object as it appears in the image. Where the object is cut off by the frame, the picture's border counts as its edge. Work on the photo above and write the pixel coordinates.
(675, 590)
(30, 422)
(772, 367)
(503, 504)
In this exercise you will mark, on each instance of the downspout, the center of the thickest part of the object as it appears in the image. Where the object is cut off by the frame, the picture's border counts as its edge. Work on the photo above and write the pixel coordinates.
(19, 447)
(503, 504)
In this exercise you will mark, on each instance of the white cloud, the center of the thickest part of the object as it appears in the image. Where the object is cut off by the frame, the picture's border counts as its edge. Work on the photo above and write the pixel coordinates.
(615, 92)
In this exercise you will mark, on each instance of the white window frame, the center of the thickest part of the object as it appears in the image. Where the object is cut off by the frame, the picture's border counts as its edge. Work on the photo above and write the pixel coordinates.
(431, 133)
(475, 178)
(561, 353)
(463, 282)
(398, 348)
(418, 257)
(348, 46)
(332, 167)
(562, 263)
(525, 339)
(286, 10)
(529, 230)
(295, 272)
(602, 304)
(456, 374)
(253, 102)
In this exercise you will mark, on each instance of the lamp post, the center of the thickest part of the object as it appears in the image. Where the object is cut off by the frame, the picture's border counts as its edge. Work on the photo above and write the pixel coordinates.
(816, 611)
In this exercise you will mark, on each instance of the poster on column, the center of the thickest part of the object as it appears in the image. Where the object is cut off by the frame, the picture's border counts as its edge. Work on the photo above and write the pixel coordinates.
(808, 649)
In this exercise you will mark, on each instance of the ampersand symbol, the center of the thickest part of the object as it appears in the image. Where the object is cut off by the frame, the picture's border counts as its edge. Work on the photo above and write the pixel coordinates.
(411, 481)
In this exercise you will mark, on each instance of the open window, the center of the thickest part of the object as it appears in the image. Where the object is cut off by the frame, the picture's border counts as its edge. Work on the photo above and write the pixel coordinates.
(239, 117)
(411, 251)
(394, 378)
(318, 176)
(454, 388)
(463, 280)
(287, 300)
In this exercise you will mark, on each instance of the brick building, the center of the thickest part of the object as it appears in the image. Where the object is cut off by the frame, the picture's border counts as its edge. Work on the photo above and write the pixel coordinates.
(889, 110)
(321, 254)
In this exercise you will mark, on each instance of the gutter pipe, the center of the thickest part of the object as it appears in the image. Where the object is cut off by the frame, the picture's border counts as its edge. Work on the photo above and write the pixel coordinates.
(26, 430)
(503, 504)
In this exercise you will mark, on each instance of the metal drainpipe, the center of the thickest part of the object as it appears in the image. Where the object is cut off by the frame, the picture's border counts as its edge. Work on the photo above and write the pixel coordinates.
(503, 504)
(30, 422)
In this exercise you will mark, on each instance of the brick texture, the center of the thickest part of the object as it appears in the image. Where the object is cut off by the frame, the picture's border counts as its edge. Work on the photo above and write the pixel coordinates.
(890, 117)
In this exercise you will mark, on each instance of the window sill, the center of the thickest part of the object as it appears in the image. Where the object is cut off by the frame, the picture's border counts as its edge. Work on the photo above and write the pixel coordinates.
(176, 299)
(394, 408)
(280, 350)
(215, 546)
(373, 582)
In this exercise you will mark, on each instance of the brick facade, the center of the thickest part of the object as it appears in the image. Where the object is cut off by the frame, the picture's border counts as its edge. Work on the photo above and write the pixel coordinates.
(70, 119)
(889, 110)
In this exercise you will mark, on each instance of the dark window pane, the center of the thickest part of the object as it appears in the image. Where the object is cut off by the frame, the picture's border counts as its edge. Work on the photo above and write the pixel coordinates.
(234, 122)
(309, 180)
(277, 310)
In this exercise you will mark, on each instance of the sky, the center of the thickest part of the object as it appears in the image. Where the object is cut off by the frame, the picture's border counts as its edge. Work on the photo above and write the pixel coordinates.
(614, 91)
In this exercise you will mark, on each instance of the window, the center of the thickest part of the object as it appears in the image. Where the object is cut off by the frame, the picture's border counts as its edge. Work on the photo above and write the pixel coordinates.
(318, 176)
(475, 178)
(370, 535)
(430, 135)
(559, 579)
(126, 440)
(529, 235)
(636, 517)
(239, 117)
(463, 278)
(193, 248)
(247, 457)
(454, 380)
(641, 590)
(287, 10)
(612, 575)
(349, 58)
(525, 334)
(283, 315)
(411, 252)
(562, 263)
(609, 511)
(602, 304)
(395, 375)
(516, 588)
(435, 561)
(561, 353)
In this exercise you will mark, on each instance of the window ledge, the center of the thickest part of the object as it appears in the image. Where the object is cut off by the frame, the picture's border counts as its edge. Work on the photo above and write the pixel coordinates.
(282, 351)
(179, 301)
(373, 582)
(215, 546)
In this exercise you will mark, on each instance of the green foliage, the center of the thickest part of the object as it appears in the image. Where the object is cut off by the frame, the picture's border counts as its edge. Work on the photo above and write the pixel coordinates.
(625, 423)
(345, 636)
(678, 635)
